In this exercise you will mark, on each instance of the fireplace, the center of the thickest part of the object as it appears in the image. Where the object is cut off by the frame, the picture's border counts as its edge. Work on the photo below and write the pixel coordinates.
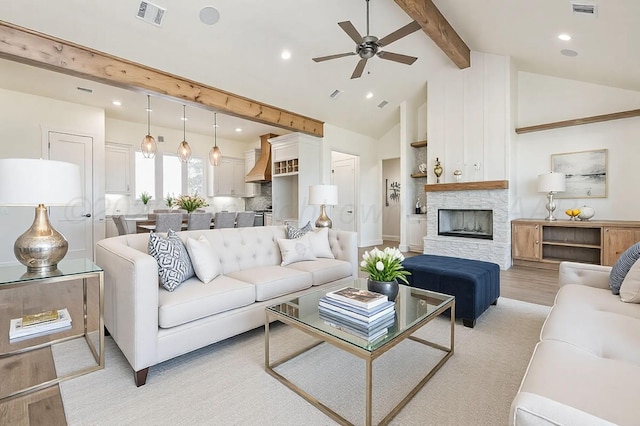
(466, 223)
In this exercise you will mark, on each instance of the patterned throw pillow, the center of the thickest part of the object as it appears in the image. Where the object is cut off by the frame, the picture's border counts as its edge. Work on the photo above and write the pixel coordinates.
(622, 266)
(293, 232)
(174, 265)
(295, 250)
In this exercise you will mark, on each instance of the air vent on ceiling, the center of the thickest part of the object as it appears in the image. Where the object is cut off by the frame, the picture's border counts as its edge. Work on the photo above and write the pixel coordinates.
(335, 94)
(584, 9)
(84, 89)
(161, 139)
(382, 104)
(151, 13)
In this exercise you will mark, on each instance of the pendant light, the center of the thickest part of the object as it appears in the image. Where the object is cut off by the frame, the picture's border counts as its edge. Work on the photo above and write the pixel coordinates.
(148, 145)
(184, 150)
(215, 155)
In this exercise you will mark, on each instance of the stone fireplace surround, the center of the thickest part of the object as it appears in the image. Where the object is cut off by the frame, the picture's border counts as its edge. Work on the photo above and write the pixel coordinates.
(490, 195)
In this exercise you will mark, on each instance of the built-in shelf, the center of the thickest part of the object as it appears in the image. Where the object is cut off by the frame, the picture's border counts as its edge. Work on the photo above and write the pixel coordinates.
(579, 121)
(419, 144)
(467, 186)
(418, 175)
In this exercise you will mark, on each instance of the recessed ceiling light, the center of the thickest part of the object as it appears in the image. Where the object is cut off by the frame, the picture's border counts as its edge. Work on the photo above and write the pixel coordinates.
(564, 37)
(569, 52)
(369, 95)
(238, 129)
(209, 15)
(285, 54)
(116, 103)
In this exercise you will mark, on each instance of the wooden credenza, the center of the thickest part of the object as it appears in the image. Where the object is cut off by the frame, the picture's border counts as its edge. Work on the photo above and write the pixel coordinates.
(544, 244)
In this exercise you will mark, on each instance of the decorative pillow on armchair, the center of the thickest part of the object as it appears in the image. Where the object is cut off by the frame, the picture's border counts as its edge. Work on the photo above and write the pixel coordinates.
(622, 267)
(174, 264)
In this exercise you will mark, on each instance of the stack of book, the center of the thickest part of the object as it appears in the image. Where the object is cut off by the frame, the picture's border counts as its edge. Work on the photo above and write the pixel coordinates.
(359, 312)
(35, 325)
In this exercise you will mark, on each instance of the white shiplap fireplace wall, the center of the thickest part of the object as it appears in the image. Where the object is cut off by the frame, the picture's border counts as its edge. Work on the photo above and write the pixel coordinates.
(497, 250)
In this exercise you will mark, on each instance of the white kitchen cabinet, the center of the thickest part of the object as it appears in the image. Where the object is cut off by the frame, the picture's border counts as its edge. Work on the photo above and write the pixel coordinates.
(417, 231)
(229, 178)
(296, 166)
(118, 166)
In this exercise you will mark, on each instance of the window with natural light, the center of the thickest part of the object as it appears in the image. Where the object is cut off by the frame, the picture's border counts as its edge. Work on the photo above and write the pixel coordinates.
(195, 176)
(171, 175)
(145, 175)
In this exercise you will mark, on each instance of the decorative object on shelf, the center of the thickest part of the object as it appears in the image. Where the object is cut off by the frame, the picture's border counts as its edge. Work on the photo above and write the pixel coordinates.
(437, 170)
(551, 183)
(31, 182)
(385, 269)
(148, 145)
(323, 195)
(215, 155)
(572, 213)
(418, 204)
(457, 174)
(190, 202)
(395, 191)
(585, 173)
(184, 150)
(422, 168)
(423, 208)
(145, 197)
(586, 213)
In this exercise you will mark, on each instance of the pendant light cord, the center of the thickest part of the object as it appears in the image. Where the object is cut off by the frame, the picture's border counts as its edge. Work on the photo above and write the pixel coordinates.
(184, 122)
(148, 114)
(215, 129)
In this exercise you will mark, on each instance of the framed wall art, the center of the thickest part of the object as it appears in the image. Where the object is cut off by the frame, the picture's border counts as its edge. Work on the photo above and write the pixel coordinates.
(585, 173)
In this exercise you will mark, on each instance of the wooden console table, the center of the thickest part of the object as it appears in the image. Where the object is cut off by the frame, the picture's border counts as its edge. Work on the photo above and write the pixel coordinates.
(544, 244)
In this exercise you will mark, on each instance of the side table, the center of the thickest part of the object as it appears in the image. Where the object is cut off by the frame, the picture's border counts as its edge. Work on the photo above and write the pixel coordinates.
(46, 360)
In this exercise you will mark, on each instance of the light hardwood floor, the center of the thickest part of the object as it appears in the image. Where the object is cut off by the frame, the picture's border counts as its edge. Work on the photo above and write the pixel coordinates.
(45, 407)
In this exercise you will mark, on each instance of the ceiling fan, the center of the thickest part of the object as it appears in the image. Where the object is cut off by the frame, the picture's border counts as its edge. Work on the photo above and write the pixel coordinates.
(369, 46)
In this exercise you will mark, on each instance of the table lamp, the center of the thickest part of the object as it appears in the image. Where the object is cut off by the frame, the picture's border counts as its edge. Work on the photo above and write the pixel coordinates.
(32, 182)
(323, 195)
(551, 183)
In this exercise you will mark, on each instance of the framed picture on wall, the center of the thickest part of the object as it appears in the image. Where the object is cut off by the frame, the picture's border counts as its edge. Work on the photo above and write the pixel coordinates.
(585, 173)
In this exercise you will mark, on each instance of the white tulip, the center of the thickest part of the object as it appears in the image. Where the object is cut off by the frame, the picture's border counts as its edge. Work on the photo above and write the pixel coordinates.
(363, 264)
(379, 265)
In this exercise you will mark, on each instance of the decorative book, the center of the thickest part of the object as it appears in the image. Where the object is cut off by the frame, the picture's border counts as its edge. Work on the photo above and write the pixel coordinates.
(42, 317)
(362, 298)
(18, 331)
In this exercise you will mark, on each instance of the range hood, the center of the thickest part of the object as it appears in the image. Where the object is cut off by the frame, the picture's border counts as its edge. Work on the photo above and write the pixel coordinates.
(261, 172)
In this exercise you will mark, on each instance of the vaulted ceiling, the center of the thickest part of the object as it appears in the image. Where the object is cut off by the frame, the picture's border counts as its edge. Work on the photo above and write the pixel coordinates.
(241, 52)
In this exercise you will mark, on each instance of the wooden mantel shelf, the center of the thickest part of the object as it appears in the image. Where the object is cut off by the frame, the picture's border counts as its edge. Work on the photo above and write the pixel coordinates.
(467, 186)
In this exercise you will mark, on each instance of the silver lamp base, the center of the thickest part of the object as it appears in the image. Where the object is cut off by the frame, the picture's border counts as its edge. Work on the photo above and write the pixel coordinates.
(41, 247)
(323, 220)
(551, 207)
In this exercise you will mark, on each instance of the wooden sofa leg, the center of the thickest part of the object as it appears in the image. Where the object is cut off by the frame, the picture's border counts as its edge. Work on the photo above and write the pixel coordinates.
(141, 376)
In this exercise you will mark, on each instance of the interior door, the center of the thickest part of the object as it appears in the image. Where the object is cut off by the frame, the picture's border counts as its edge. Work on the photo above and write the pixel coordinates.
(75, 221)
(344, 176)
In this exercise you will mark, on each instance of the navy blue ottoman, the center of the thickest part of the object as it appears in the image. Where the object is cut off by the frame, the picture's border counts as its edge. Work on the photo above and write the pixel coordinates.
(475, 284)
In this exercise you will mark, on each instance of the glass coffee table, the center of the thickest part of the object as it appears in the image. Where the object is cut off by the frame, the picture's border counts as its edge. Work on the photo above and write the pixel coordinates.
(414, 308)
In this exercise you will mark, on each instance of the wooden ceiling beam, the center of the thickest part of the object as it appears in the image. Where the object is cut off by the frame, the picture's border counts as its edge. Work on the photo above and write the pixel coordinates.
(44, 51)
(438, 28)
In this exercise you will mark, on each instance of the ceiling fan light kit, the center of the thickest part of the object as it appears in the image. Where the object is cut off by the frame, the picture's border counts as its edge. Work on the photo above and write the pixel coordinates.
(369, 46)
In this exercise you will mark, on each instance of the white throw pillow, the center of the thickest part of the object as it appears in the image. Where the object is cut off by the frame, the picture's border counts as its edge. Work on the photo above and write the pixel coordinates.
(204, 260)
(319, 240)
(295, 250)
(630, 288)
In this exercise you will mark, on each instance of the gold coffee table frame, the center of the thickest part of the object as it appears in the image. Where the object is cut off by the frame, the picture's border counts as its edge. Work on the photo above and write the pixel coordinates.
(368, 355)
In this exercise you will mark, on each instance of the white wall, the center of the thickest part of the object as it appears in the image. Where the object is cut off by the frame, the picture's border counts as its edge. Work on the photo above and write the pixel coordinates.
(543, 99)
(22, 120)
(391, 213)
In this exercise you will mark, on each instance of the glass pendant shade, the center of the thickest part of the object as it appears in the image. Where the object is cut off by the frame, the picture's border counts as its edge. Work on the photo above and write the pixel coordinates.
(215, 155)
(184, 150)
(148, 145)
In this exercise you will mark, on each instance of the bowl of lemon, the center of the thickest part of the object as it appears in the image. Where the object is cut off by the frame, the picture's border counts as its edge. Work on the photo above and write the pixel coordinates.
(572, 213)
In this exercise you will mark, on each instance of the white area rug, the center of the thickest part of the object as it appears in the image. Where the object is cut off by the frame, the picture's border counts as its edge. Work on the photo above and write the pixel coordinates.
(225, 383)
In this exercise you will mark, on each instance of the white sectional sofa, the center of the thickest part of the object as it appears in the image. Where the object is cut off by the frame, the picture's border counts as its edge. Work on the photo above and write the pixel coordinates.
(586, 368)
(151, 324)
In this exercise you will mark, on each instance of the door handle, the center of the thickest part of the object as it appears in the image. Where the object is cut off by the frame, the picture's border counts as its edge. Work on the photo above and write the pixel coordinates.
(349, 211)
(87, 215)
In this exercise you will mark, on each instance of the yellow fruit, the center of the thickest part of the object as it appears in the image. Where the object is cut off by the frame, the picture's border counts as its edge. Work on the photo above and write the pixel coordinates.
(576, 212)
(569, 212)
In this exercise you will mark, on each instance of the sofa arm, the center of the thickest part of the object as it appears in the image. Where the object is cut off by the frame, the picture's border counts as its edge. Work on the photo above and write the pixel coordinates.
(131, 299)
(529, 409)
(344, 246)
(585, 274)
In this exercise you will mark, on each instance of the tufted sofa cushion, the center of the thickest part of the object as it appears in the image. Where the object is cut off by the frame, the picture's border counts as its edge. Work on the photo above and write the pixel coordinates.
(324, 270)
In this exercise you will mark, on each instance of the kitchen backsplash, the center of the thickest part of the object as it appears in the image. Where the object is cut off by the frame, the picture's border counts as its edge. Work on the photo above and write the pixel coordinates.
(262, 201)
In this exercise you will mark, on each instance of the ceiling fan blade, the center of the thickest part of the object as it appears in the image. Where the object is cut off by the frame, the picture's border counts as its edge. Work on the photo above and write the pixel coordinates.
(397, 57)
(398, 34)
(351, 31)
(359, 69)
(339, 55)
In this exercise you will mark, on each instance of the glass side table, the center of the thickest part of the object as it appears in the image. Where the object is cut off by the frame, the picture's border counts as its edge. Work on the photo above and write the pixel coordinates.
(33, 363)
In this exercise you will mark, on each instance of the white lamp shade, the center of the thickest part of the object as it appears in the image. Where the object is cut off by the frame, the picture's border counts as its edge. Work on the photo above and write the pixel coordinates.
(323, 194)
(551, 182)
(29, 182)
